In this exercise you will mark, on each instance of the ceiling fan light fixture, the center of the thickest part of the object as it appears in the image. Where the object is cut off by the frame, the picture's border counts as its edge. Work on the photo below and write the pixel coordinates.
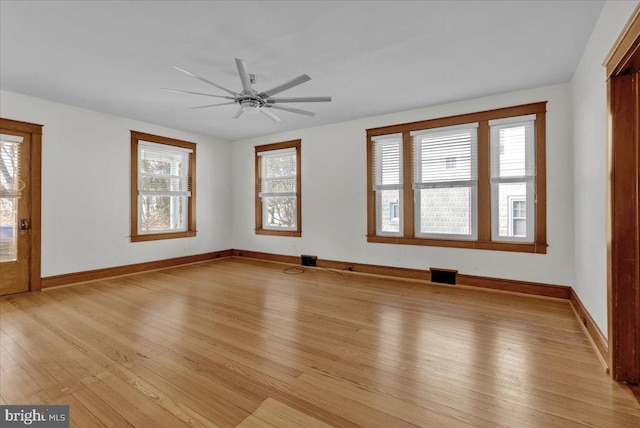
(250, 106)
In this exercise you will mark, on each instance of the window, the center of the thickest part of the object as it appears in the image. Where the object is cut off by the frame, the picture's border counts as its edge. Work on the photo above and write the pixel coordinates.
(278, 210)
(388, 183)
(162, 187)
(471, 181)
(445, 181)
(512, 176)
(517, 217)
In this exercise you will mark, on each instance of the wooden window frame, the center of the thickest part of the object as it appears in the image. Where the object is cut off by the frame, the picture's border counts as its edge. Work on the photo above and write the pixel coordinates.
(191, 200)
(258, 201)
(484, 241)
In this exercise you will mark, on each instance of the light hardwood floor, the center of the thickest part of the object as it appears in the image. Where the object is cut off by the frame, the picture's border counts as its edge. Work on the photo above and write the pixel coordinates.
(236, 342)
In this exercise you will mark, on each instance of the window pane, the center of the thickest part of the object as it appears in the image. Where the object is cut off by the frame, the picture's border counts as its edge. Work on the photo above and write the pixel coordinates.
(8, 229)
(162, 213)
(519, 227)
(159, 184)
(388, 168)
(512, 204)
(279, 212)
(157, 161)
(445, 156)
(445, 210)
(512, 151)
(389, 201)
(283, 165)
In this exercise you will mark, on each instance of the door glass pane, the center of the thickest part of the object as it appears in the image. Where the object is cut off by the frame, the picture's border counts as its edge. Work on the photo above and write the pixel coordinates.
(9, 192)
(8, 229)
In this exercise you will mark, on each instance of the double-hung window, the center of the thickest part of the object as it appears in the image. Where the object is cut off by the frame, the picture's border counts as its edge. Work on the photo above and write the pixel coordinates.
(387, 153)
(445, 181)
(162, 187)
(513, 178)
(474, 180)
(278, 189)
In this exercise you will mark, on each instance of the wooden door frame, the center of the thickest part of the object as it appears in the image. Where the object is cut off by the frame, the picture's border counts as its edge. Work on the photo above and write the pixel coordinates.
(35, 130)
(623, 212)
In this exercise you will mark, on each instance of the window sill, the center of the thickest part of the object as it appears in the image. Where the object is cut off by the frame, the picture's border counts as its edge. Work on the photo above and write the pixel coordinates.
(165, 235)
(290, 233)
(520, 247)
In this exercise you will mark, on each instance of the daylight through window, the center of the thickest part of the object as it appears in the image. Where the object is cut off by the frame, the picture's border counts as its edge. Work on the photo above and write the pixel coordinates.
(476, 181)
(278, 189)
(163, 181)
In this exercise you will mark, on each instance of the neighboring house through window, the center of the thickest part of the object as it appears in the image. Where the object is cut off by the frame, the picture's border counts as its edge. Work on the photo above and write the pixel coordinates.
(278, 208)
(162, 187)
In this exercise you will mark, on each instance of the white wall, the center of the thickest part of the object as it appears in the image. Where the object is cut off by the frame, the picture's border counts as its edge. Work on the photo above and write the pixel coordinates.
(86, 187)
(589, 105)
(334, 206)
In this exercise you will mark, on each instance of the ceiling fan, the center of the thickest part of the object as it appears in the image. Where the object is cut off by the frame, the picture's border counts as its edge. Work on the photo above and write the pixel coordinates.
(252, 101)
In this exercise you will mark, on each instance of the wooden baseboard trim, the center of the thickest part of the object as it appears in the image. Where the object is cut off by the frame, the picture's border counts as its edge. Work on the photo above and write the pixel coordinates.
(522, 287)
(98, 274)
(592, 330)
(280, 258)
(516, 286)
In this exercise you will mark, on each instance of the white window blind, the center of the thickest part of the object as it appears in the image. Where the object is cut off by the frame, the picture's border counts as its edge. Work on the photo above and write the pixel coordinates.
(387, 161)
(279, 173)
(445, 181)
(387, 183)
(163, 170)
(445, 157)
(10, 183)
(513, 177)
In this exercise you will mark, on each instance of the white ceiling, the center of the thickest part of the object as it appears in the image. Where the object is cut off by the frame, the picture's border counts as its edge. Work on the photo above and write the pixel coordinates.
(371, 57)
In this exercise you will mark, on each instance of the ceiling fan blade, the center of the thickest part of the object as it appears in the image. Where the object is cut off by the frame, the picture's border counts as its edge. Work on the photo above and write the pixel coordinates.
(244, 75)
(294, 110)
(287, 85)
(270, 115)
(299, 100)
(188, 73)
(197, 93)
(238, 113)
(211, 105)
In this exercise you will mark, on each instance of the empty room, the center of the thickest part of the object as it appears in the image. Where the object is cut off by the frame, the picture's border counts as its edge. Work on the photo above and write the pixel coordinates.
(320, 214)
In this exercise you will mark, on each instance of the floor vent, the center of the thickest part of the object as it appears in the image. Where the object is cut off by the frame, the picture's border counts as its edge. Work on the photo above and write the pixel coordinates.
(443, 276)
(308, 260)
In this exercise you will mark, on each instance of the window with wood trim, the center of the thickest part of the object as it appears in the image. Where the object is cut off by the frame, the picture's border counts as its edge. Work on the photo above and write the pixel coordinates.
(162, 188)
(278, 207)
(469, 181)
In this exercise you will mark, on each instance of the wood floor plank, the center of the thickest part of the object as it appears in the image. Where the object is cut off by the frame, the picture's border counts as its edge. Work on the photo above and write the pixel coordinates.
(237, 342)
(276, 414)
